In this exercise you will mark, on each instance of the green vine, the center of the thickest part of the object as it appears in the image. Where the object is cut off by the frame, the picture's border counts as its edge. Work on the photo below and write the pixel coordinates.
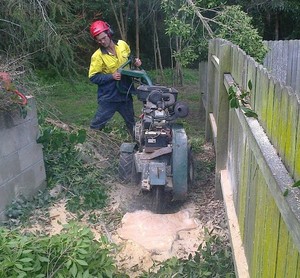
(240, 99)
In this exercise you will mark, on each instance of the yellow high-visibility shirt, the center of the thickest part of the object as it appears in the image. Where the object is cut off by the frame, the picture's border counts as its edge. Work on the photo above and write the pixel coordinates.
(106, 63)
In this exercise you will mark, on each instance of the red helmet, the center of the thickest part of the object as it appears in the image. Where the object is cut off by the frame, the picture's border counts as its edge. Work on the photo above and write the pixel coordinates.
(98, 27)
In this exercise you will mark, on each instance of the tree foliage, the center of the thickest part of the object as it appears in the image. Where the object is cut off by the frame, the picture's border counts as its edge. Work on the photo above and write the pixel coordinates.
(236, 26)
(55, 33)
(276, 19)
(44, 31)
(191, 24)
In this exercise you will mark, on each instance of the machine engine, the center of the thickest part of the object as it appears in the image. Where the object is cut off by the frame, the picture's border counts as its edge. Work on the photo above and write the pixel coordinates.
(160, 109)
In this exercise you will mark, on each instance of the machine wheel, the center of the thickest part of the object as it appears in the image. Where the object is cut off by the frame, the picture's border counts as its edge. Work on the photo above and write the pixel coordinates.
(158, 193)
(135, 176)
(191, 169)
(125, 167)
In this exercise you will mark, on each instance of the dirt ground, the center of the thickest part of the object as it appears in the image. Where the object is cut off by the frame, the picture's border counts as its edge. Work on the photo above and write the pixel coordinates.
(144, 238)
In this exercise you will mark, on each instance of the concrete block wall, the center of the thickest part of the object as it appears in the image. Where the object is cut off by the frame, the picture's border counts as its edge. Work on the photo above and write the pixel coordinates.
(22, 170)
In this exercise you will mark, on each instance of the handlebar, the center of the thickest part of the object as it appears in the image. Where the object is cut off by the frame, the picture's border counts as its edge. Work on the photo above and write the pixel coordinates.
(137, 74)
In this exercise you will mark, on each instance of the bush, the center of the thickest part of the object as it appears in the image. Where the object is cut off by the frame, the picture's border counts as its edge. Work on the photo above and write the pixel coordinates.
(72, 253)
(81, 182)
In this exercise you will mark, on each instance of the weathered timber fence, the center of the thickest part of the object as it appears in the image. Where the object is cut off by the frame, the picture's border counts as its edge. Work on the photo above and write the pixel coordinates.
(257, 162)
(283, 62)
(22, 170)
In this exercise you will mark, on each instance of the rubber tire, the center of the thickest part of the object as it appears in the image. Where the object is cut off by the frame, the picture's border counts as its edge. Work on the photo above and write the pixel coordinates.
(125, 167)
(158, 193)
(135, 176)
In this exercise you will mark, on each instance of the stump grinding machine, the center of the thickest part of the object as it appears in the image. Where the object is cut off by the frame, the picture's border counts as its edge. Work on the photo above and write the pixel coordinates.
(160, 160)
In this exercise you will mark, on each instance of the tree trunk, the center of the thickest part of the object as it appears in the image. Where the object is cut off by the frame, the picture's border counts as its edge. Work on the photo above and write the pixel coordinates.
(179, 75)
(276, 31)
(121, 17)
(172, 61)
(157, 54)
(137, 29)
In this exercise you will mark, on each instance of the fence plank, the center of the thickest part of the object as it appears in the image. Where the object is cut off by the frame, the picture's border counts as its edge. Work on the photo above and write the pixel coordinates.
(297, 151)
(270, 108)
(251, 75)
(259, 92)
(283, 242)
(271, 237)
(222, 105)
(291, 131)
(282, 125)
(250, 206)
(297, 75)
(291, 260)
(235, 62)
(243, 188)
(289, 75)
(275, 135)
(210, 89)
(260, 211)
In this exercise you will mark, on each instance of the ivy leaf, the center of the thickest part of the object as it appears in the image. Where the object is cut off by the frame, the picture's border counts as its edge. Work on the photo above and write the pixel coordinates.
(25, 260)
(249, 112)
(73, 270)
(81, 136)
(81, 262)
(43, 259)
(86, 274)
(296, 184)
(232, 91)
(286, 192)
(68, 264)
(234, 103)
(73, 137)
(250, 85)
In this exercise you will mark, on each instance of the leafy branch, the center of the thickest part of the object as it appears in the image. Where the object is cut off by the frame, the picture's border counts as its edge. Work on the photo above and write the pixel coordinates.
(241, 99)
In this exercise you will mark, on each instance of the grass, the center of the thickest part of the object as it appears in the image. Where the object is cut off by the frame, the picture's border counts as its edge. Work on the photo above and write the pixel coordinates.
(75, 101)
(72, 101)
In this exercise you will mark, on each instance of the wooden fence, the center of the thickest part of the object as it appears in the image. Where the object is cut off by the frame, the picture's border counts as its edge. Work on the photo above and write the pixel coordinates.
(283, 62)
(257, 162)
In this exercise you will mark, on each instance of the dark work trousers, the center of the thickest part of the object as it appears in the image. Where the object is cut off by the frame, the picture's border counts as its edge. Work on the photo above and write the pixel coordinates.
(106, 110)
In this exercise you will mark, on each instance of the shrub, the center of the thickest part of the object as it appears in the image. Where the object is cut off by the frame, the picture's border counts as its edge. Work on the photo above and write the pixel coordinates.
(72, 253)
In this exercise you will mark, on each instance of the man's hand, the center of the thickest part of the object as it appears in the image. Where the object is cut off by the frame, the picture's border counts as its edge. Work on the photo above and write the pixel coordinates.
(116, 75)
(137, 62)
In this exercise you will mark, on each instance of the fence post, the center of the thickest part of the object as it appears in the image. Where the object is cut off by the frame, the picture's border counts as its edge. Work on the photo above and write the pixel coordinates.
(209, 90)
(222, 117)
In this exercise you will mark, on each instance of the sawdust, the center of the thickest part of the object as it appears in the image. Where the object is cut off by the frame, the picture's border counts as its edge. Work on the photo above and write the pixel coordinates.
(148, 238)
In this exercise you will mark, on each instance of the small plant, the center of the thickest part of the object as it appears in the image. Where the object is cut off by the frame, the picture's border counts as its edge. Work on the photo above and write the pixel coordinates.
(20, 209)
(296, 184)
(240, 99)
(213, 259)
(72, 253)
(197, 143)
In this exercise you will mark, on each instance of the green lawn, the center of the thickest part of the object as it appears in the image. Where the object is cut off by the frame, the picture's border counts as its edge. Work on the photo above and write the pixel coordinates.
(75, 101)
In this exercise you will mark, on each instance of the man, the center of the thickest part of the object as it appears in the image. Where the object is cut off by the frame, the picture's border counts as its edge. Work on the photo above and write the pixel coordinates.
(104, 72)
